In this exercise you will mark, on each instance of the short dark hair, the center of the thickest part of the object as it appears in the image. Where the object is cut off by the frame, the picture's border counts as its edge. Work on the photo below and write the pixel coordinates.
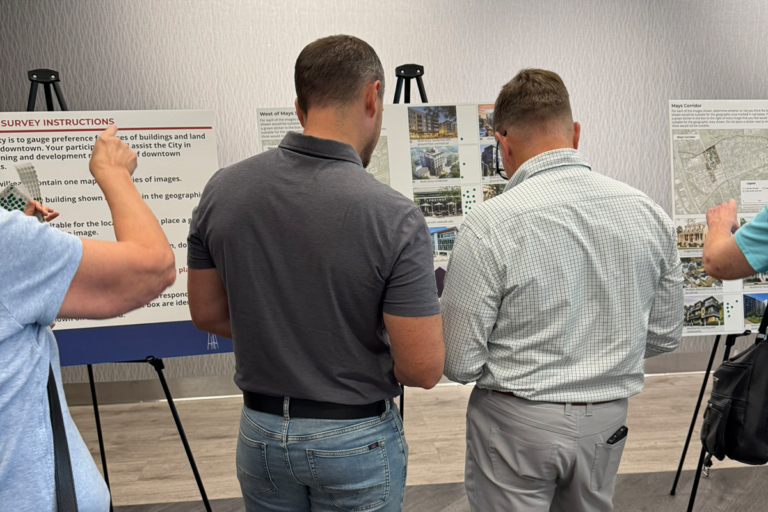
(533, 96)
(333, 70)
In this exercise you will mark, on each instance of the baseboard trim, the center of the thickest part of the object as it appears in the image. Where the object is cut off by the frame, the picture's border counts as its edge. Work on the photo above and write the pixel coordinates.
(137, 391)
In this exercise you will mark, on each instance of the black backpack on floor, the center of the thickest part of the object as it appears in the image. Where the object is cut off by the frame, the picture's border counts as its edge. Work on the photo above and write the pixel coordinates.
(736, 420)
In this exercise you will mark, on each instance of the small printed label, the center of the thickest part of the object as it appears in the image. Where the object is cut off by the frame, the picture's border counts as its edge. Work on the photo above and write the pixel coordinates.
(373, 446)
(754, 192)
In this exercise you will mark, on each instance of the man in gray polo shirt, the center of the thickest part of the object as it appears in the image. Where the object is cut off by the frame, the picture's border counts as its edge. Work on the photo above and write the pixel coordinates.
(323, 279)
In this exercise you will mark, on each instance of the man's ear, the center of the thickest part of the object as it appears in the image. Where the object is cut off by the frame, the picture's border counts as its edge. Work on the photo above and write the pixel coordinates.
(576, 135)
(299, 113)
(372, 97)
(504, 146)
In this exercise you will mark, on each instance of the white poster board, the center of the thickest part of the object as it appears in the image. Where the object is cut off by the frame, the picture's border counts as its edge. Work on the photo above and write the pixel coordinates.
(719, 151)
(176, 157)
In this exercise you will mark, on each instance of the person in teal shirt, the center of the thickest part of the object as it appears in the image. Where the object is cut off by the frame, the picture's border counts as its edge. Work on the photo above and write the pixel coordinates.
(734, 256)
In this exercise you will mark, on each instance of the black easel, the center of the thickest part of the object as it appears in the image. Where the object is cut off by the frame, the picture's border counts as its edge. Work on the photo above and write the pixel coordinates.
(404, 74)
(50, 78)
(158, 365)
(730, 340)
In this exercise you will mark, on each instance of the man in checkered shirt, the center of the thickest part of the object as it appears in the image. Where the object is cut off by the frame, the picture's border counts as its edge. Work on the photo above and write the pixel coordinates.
(556, 291)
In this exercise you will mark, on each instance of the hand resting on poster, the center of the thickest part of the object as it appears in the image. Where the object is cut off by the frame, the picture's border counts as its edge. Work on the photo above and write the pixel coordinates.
(723, 259)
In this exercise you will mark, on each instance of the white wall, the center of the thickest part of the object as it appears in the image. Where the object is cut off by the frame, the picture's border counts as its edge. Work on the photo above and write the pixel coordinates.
(622, 61)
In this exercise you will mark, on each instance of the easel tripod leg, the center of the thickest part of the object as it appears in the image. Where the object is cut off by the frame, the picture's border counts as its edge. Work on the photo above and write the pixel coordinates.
(32, 97)
(48, 97)
(157, 364)
(696, 479)
(96, 415)
(695, 415)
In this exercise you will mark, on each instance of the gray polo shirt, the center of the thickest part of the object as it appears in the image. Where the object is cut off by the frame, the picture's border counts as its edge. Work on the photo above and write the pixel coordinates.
(312, 249)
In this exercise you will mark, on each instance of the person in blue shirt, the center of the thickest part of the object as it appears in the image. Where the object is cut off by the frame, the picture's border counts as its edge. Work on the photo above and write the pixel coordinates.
(731, 252)
(47, 274)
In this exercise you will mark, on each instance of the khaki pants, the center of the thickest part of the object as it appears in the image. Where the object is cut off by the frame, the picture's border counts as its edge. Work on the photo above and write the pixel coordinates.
(525, 456)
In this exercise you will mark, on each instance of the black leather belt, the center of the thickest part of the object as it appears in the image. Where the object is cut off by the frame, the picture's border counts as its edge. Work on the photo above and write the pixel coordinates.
(303, 408)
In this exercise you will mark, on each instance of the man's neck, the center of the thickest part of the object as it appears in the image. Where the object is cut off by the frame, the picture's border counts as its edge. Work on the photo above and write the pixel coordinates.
(331, 124)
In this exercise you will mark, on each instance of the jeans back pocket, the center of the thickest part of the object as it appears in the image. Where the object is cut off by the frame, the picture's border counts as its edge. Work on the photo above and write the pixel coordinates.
(252, 469)
(357, 479)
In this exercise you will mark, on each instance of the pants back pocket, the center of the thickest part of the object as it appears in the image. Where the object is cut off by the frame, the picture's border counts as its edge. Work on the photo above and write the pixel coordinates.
(357, 479)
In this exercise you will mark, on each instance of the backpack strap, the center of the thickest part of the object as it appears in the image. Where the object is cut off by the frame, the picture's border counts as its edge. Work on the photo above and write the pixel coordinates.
(66, 500)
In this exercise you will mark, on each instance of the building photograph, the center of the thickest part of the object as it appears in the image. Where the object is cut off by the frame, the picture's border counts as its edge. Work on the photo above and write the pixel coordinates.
(491, 191)
(443, 239)
(694, 275)
(760, 279)
(703, 312)
(485, 120)
(754, 307)
(435, 163)
(432, 123)
(692, 233)
(439, 202)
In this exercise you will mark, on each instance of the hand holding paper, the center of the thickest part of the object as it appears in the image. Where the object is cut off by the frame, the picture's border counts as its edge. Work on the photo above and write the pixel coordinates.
(35, 208)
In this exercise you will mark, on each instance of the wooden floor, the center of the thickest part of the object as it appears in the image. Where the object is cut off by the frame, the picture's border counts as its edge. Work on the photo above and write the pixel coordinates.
(147, 464)
(727, 490)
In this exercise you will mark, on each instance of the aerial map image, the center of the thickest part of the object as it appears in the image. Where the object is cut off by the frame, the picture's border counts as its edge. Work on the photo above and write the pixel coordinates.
(709, 166)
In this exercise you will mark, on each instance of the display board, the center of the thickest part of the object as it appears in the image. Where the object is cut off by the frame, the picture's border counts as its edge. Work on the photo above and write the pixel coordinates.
(177, 155)
(719, 151)
(440, 156)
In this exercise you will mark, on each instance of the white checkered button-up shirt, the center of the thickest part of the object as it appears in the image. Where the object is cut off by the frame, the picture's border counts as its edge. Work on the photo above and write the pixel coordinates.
(559, 287)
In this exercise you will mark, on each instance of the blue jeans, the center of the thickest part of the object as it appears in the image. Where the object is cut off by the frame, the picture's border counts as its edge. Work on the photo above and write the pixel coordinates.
(297, 464)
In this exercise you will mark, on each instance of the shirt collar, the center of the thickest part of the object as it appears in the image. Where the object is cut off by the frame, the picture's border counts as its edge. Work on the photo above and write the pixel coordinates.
(545, 161)
(323, 148)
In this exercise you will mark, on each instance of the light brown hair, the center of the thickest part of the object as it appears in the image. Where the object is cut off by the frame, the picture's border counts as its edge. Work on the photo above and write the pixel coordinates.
(333, 70)
(533, 96)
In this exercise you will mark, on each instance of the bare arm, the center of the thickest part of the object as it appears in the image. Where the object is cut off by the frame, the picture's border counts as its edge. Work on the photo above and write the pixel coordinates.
(721, 255)
(208, 303)
(116, 277)
(417, 349)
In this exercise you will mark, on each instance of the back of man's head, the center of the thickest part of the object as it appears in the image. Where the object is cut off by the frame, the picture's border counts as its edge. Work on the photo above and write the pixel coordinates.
(332, 72)
(533, 99)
